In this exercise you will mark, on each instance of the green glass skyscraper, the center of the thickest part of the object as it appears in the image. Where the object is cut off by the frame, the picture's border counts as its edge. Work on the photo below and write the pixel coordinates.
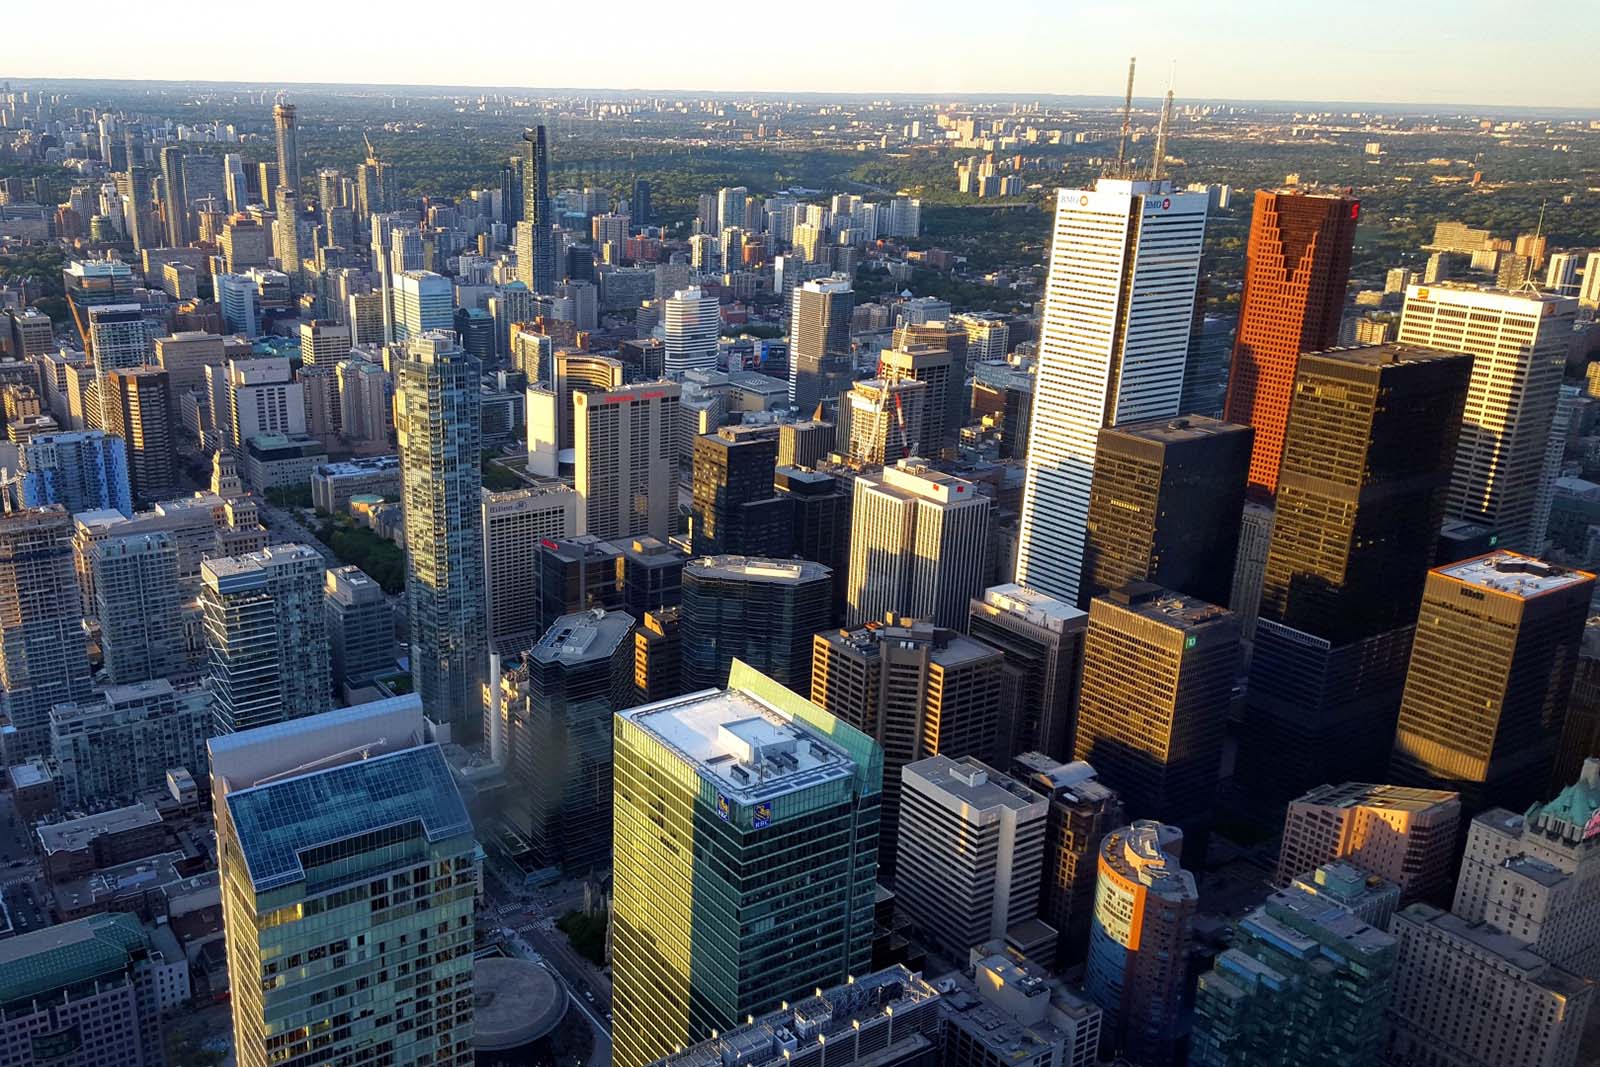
(746, 834)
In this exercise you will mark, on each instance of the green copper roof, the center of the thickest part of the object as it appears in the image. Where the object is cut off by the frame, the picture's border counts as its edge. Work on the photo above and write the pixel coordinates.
(64, 955)
(1577, 804)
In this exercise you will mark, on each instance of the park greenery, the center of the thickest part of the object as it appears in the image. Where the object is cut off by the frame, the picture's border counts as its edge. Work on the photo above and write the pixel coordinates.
(382, 560)
(587, 933)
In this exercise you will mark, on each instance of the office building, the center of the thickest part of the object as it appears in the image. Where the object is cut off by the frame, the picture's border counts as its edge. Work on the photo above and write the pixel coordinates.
(652, 574)
(1139, 941)
(283, 122)
(118, 337)
(515, 521)
(348, 869)
(95, 988)
(139, 409)
(1402, 835)
(886, 422)
(557, 704)
(360, 624)
(580, 371)
(1297, 268)
(44, 656)
(821, 364)
(1466, 993)
(763, 612)
(1165, 506)
(1490, 676)
(1158, 675)
(423, 302)
(1042, 639)
(756, 776)
(970, 853)
(692, 321)
(240, 305)
(140, 609)
(928, 355)
(819, 517)
(890, 1017)
(626, 465)
(124, 739)
(578, 574)
(1110, 352)
(256, 396)
(658, 655)
(266, 636)
(1082, 811)
(538, 269)
(988, 336)
(83, 470)
(1305, 983)
(436, 415)
(1580, 734)
(366, 413)
(1361, 494)
(736, 510)
(917, 544)
(1518, 344)
(803, 444)
(917, 689)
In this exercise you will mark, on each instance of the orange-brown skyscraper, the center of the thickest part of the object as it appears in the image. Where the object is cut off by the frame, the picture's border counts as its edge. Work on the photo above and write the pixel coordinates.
(1296, 272)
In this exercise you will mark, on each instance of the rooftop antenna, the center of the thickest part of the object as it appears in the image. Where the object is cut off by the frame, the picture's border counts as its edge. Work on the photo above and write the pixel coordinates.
(1127, 120)
(1158, 164)
(1527, 285)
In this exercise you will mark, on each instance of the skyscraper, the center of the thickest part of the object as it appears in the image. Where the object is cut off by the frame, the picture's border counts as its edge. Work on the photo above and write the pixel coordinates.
(44, 657)
(1518, 344)
(423, 301)
(283, 121)
(924, 353)
(819, 518)
(821, 365)
(1164, 507)
(139, 606)
(1158, 673)
(1405, 836)
(970, 853)
(1296, 270)
(916, 545)
(86, 470)
(557, 704)
(1123, 270)
(1042, 639)
(736, 510)
(174, 200)
(1083, 810)
(1139, 940)
(346, 858)
(626, 469)
(758, 777)
(118, 337)
(578, 574)
(139, 409)
(1305, 983)
(436, 415)
(658, 655)
(1366, 466)
(886, 420)
(918, 690)
(1491, 672)
(536, 214)
(763, 612)
(266, 636)
(360, 624)
(514, 523)
(692, 320)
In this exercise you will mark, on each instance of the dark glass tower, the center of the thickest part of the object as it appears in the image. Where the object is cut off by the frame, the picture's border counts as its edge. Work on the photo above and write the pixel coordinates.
(639, 205)
(1491, 671)
(732, 472)
(1366, 468)
(762, 611)
(1165, 506)
(819, 523)
(577, 574)
(536, 208)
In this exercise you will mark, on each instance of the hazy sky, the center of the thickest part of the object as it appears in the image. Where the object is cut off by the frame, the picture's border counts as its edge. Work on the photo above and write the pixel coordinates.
(1539, 53)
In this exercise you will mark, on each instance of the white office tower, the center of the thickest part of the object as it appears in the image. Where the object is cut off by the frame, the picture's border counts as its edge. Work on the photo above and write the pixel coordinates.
(626, 460)
(693, 321)
(1124, 265)
(423, 301)
(515, 523)
(970, 855)
(1518, 344)
(1561, 274)
(1589, 293)
(917, 542)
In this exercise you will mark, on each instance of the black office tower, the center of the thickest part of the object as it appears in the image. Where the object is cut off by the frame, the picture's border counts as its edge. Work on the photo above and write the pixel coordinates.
(819, 520)
(536, 208)
(1165, 505)
(1367, 460)
(639, 205)
(761, 611)
(732, 472)
(577, 574)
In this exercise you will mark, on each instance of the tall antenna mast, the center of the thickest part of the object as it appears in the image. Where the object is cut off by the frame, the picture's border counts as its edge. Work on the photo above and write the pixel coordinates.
(1527, 284)
(1127, 120)
(1158, 165)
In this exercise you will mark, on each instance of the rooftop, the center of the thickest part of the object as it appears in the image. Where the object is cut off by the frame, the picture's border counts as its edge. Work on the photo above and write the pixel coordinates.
(1075, 782)
(976, 788)
(756, 568)
(584, 636)
(102, 888)
(1140, 853)
(1301, 922)
(514, 1001)
(1174, 431)
(1382, 355)
(1388, 797)
(1510, 952)
(744, 746)
(1168, 607)
(66, 954)
(74, 835)
(354, 467)
(1033, 606)
(278, 821)
(1514, 574)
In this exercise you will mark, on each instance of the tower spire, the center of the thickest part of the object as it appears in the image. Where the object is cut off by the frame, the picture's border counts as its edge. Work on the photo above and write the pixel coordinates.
(1127, 121)
(1158, 164)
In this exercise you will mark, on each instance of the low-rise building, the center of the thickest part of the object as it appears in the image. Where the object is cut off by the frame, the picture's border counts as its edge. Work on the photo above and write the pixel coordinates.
(333, 484)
